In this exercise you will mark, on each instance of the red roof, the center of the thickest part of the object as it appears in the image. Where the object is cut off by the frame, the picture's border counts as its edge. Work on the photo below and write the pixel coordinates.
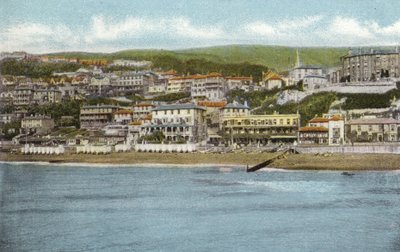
(319, 120)
(123, 111)
(213, 104)
(313, 129)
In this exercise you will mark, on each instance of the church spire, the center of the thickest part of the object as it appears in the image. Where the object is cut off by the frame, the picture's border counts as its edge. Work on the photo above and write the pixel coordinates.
(298, 63)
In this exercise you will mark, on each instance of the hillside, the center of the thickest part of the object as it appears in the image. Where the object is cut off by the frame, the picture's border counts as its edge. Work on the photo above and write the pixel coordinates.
(277, 57)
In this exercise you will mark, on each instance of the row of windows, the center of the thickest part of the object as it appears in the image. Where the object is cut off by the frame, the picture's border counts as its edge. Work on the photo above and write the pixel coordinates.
(380, 127)
(261, 122)
(171, 112)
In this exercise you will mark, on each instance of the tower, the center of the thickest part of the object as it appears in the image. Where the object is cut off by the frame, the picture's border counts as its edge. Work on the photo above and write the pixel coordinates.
(298, 62)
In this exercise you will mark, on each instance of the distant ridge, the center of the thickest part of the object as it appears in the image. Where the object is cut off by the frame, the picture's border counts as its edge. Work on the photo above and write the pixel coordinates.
(280, 58)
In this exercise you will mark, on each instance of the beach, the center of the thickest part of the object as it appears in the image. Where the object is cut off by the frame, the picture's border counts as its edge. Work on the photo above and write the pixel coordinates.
(290, 161)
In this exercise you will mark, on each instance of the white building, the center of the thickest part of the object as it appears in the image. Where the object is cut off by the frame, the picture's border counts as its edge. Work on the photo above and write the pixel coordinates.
(179, 84)
(298, 73)
(332, 125)
(98, 83)
(211, 86)
(123, 116)
(271, 80)
(131, 63)
(138, 82)
(240, 83)
(311, 82)
(179, 123)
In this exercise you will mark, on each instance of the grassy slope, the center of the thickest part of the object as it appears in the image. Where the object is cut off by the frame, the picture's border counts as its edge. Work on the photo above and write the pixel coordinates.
(277, 57)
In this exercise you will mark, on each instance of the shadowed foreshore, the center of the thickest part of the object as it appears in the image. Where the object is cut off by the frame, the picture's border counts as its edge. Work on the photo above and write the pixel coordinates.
(290, 161)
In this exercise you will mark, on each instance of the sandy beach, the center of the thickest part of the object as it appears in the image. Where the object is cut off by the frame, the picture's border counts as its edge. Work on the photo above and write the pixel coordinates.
(291, 161)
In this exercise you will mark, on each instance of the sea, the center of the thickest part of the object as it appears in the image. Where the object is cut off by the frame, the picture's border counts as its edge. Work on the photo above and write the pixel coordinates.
(77, 207)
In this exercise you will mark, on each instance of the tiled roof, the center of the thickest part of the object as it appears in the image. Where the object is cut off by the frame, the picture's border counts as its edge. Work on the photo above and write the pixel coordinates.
(271, 76)
(319, 120)
(236, 105)
(213, 104)
(313, 129)
(239, 78)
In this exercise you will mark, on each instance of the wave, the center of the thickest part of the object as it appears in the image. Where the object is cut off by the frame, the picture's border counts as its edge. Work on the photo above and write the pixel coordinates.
(292, 186)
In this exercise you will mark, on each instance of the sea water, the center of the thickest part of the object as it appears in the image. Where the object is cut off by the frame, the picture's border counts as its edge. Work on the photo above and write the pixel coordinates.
(45, 207)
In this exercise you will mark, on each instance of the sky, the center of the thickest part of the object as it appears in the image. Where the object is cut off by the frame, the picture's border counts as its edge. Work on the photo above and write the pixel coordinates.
(40, 26)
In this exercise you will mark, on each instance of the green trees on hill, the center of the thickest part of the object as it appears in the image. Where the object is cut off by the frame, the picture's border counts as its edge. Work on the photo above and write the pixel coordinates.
(35, 69)
(362, 101)
(56, 111)
(172, 97)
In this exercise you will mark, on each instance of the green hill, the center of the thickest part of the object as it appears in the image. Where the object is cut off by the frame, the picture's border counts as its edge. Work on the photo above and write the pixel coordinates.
(279, 58)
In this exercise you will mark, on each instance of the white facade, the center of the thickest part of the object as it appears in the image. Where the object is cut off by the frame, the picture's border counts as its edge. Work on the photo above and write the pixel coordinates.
(298, 73)
(335, 126)
(240, 83)
(311, 82)
(212, 86)
(178, 122)
(179, 84)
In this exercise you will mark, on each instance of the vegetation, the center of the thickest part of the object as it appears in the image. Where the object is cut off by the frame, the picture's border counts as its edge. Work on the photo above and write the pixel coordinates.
(11, 129)
(362, 101)
(35, 69)
(56, 111)
(172, 97)
(280, 57)
(155, 137)
(95, 100)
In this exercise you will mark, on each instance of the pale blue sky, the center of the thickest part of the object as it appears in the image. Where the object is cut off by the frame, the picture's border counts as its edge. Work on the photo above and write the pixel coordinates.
(111, 25)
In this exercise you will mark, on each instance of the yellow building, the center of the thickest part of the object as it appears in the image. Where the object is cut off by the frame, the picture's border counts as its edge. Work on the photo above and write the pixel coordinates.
(37, 124)
(247, 128)
(369, 129)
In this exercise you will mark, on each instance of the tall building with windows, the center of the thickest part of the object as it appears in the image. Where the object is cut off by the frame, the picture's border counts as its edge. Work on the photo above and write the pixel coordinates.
(239, 126)
(370, 65)
(183, 123)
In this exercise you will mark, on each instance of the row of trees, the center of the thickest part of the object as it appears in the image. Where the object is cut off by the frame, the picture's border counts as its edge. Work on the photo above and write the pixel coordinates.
(35, 69)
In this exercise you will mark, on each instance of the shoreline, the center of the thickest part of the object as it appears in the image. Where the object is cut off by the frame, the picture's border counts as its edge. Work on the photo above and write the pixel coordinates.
(334, 162)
